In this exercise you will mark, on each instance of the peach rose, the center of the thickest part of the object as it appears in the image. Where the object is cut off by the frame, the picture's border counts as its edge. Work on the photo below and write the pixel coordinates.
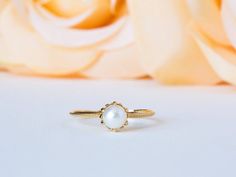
(180, 41)
(189, 42)
(68, 38)
(214, 29)
(171, 54)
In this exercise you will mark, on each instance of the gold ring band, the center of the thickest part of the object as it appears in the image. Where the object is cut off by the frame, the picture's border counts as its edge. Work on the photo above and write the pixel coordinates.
(114, 116)
(136, 113)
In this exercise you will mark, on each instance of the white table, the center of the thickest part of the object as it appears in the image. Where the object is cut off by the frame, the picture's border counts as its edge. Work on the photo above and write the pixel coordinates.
(192, 135)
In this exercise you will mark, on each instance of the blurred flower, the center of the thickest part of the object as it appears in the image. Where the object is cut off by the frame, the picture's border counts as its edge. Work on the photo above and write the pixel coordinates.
(180, 41)
(182, 32)
(92, 38)
(214, 29)
(171, 55)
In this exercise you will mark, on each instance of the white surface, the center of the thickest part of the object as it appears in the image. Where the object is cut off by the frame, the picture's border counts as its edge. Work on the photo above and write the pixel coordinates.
(193, 134)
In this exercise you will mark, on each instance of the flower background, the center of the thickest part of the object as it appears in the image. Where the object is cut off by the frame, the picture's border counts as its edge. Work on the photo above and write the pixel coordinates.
(172, 41)
(99, 44)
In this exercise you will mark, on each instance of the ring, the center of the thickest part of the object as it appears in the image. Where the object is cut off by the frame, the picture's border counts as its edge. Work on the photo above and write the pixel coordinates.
(114, 116)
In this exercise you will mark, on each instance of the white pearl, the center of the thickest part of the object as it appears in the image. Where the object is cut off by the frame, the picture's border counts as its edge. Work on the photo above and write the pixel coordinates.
(114, 116)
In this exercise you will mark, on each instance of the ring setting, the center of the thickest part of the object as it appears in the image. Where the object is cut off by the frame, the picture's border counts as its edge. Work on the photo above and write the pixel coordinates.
(114, 115)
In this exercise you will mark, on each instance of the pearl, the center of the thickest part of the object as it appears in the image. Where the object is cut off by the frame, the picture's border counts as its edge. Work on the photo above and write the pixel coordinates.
(114, 116)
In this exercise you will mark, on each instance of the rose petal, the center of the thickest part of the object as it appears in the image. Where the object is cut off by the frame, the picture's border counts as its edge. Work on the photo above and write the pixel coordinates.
(222, 59)
(231, 5)
(102, 12)
(124, 38)
(168, 53)
(2, 50)
(113, 5)
(229, 23)
(19, 69)
(21, 7)
(72, 37)
(2, 4)
(208, 16)
(120, 63)
(63, 22)
(69, 8)
(27, 48)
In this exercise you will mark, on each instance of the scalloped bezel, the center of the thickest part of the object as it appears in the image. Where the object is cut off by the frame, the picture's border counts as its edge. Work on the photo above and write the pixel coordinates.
(112, 104)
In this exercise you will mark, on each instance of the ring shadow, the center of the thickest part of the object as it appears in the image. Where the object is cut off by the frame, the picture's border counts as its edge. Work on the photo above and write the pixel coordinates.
(145, 123)
(133, 124)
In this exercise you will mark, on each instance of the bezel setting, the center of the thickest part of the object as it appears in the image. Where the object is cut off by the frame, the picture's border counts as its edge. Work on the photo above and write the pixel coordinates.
(104, 109)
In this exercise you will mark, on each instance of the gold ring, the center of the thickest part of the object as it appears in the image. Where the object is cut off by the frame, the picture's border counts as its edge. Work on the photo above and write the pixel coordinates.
(114, 116)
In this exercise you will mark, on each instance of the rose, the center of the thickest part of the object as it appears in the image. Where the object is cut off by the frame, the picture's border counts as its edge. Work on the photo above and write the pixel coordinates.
(172, 41)
(215, 33)
(43, 40)
(171, 55)
(68, 38)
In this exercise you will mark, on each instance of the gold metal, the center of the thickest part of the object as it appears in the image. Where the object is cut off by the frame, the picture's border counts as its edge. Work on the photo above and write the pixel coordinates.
(136, 113)
(86, 113)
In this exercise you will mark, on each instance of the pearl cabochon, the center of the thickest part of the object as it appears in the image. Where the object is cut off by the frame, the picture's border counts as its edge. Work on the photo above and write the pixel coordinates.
(114, 116)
